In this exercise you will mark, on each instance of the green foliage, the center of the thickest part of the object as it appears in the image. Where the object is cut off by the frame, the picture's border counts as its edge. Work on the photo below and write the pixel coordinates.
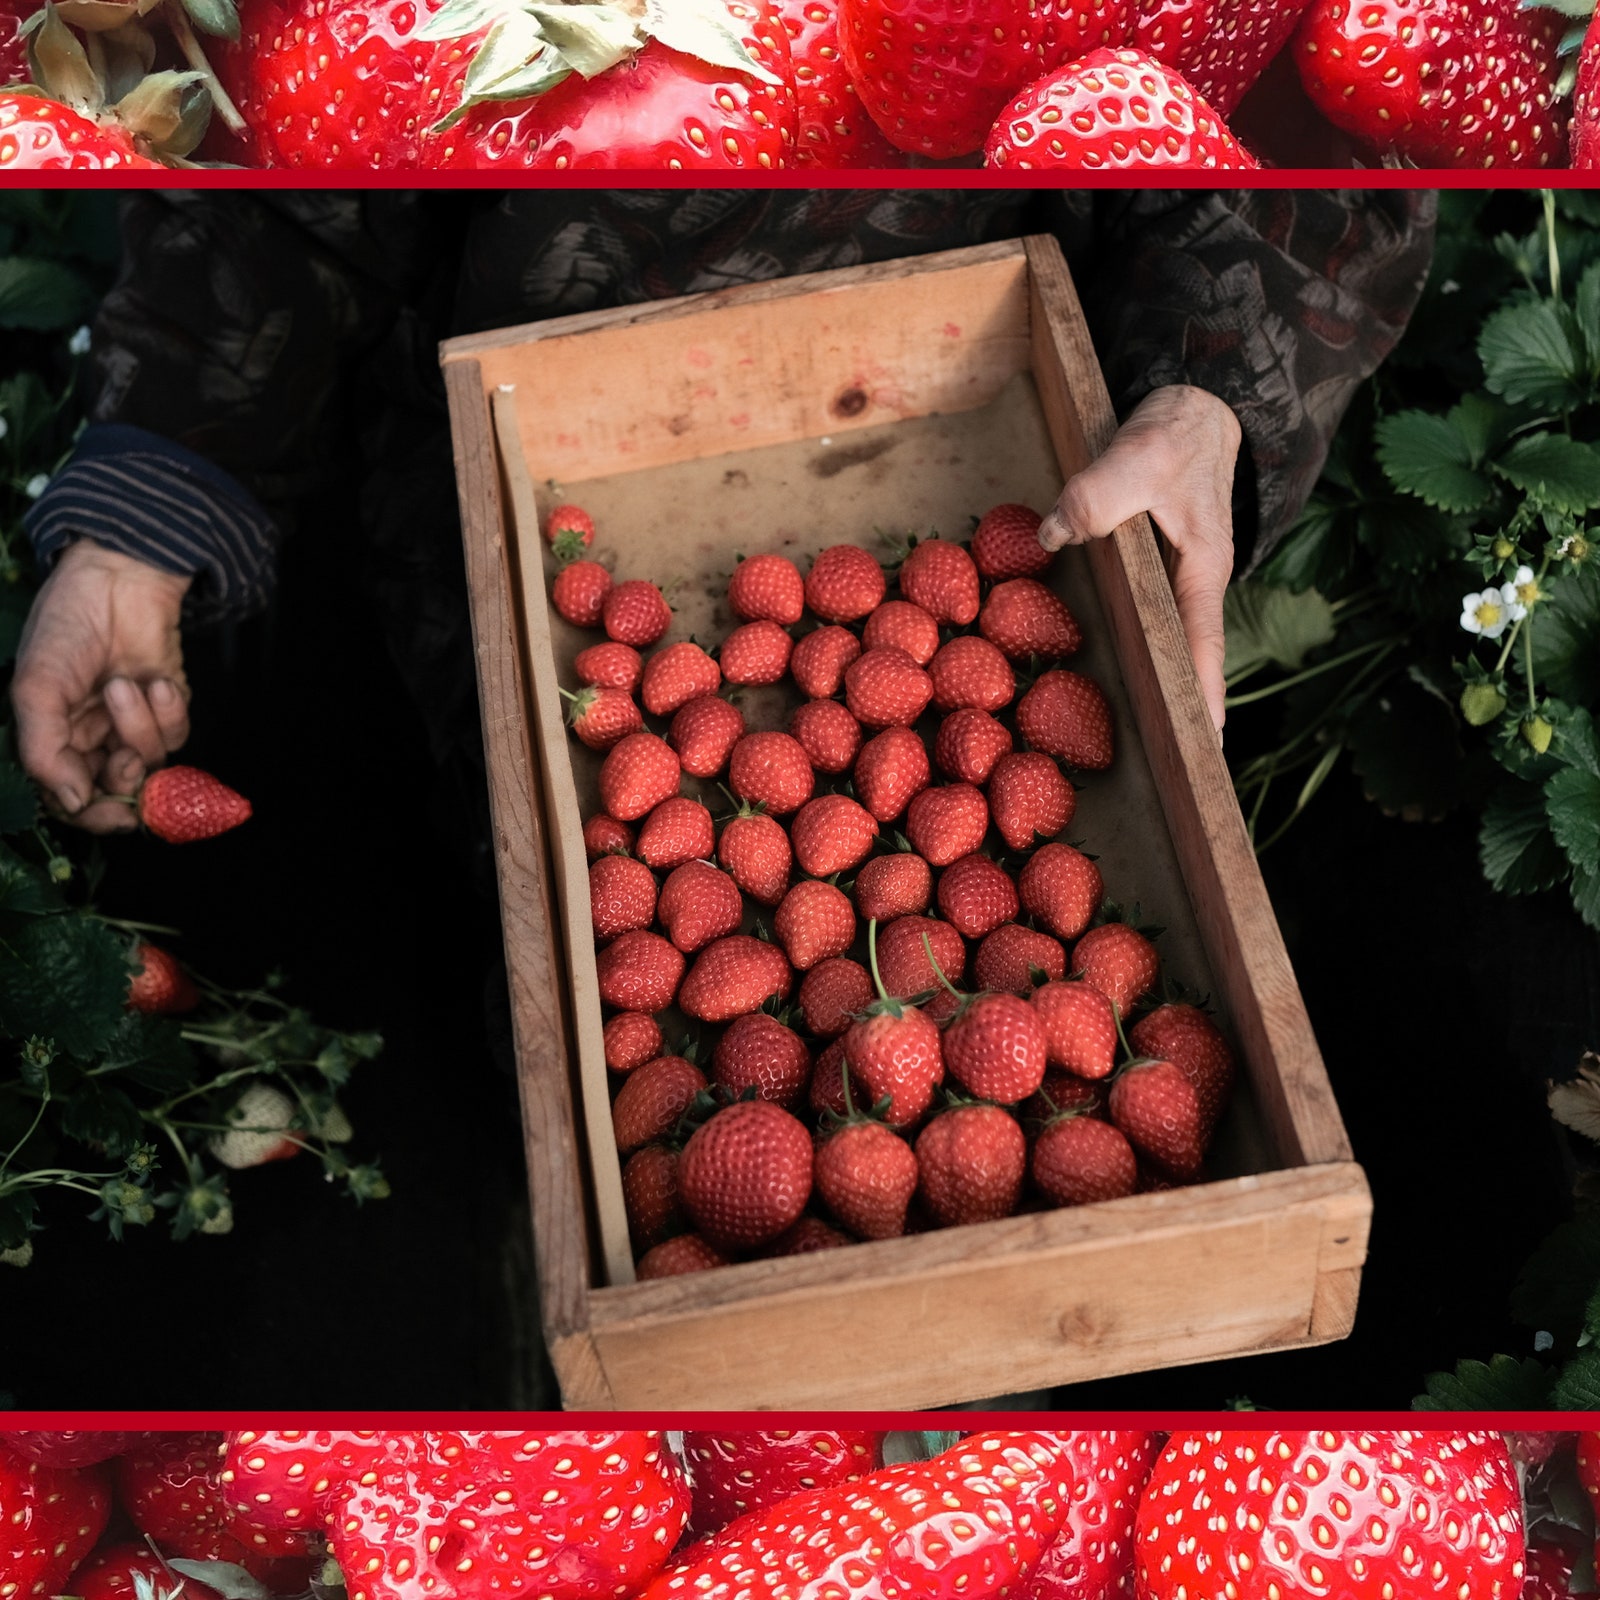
(1500, 1384)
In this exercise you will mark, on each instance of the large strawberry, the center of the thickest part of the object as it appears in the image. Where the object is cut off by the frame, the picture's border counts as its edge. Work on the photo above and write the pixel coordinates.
(835, 130)
(1585, 131)
(1220, 46)
(1093, 1556)
(182, 804)
(745, 1175)
(742, 1470)
(50, 1518)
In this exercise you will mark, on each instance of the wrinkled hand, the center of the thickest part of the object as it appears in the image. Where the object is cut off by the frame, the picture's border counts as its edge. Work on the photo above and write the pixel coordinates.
(99, 691)
(1174, 458)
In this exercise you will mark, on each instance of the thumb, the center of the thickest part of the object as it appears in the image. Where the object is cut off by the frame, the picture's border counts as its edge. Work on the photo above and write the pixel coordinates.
(1199, 585)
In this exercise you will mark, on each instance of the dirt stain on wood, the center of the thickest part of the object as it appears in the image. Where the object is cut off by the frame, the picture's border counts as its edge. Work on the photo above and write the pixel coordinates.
(832, 462)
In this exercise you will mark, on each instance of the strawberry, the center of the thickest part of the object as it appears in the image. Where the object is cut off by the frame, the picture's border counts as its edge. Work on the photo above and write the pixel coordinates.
(678, 830)
(895, 1054)
(891, 769)
(622, 895)
(1585, 130)
(1156, 1107)
(1220, 47)
(835, 130)
(815, 921)
(1375, 1513)
(734, 975)
(1062, 1091)
(1006, 544)
(258, 1127)
(635, 613)
(639, 971)
(14, 44)
(65, 1447)
(1065, 715)
(50, 1518)
(756, 852)
(976, 896)
(819, 661)
(1010, 958)
(905, 626)
(631, 1039)
(828, 734)
(182, 804)
(132, 1571)
(704, 733)
(580, 590)
(969, 743)
(946, 823)
(827, 1081)
(1029, 798)
(833, 992)
(844, 583)
(160, 987)
(609, 666)
(1080, 1027)
(638, 773)
(969, 671)
(1077, 1160)
(885, 688)
(687, 1253)
(772, 770)
(832, 833)
(40, 135)
(676, 675)
(698, 904)
(898, 885)
(602, 716)
(903, 961)
(970, 1160)
(767, 588)
(603, 835)
(652, 1099)
(1549, 1569)
(745, 1175)
(1061, 889)
(1093, 1555)
(758, 1052)
(866, 1176)
(650, 1197)
(734, 1473)
(1023, 618)
(289, 1480)
(1118, 961)
(758, 652)
(940, 577)
(995, 1048)
(569, 531)
(1192, 1042)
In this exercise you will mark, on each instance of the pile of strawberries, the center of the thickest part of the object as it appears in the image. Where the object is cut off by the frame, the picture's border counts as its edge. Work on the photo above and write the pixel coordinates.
(871, 942)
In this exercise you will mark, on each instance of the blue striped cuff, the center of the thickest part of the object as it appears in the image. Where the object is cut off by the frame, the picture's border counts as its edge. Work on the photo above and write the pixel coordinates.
(135, 492)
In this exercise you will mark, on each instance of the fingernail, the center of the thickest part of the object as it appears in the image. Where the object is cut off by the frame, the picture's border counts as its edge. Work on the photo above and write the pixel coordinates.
(1052, 531)
(135, 774)
(163, 692)
(118, 691)
(71, 800)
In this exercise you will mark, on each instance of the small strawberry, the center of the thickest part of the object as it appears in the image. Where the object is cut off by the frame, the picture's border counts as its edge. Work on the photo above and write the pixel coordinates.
(160, 988)
(569, 531)
(738, 1471)
(819, 661)
(258, 1127)
(704, 733)
(947, 823)
(890, 886)
(1011, 958)
(652, 1099)
(758, 1052)
(635, 613)
(1093, 1555)
(631, 1039)
(676, 675)
(885, 688)
(1078, 1160)
(745, 1175)
(970, 1161)
(835, 130)
(1220, 47)
(600, 716)
(135, 1572)
(831, 995)
(976, 896)
(609, 666)
(829, 735)
(769, 588)
(866, 1176)
(687, 1253)
(893, 1050)
(1192, 1042)
(183, 804)
(1006, 544)
(1065, 715)
(1061, 889)
(771, 770)
(698, 904)
(969, 671)
(844, 583)
(65, 1447)
(994, 1047)
(1156, 1107)
(678, 830)
(579, 593)
(1029, 798)
(1080, 1027)
(639, 971)
(50, 1518)
(1023, 618)
(603, 835)
(940, 577)
(757, 652)
(733, 975)
(638, 773)
(757, 854)
(832, 833)
(622, 895)
(890, 771)
(903, 959)
(1118, 961)
(814, 921)
(650, 1197)
(969, 743)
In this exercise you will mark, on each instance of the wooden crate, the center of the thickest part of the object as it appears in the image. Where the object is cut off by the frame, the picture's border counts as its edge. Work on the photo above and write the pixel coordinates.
(788, 416)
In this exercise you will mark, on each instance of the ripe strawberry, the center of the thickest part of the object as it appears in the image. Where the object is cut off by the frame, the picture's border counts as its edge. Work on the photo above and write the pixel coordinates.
(1093, 1556)
(635, 613)
(736, 1472)
(1080, 1027)
(903, 962)
(1006, 544)
(1065, 715)
(638, 773)
(676, 675)
(631, 1039)
(757, 652)
(1029, 798)
(1062, 1091)
(698, 904)
(600, 716)
(678, 830)
(1549, 1567)
(160, 987)
(687, 1253)
(1077, 1160)
(815, 921)
(832, 833)
(890, 771)
(905, 626)
(885, 688)
(995, 1047)
(758, 1052)
(650, 1197)
(569, 531)
(1434, 1512)
(969, 671)
(1118, 961)
(756, 852)
(947, 823)
(579, 591)
(745, 1175)
(1192, 1042)
(129, 1571)
(831, 995)
(290, 1480)
(826, 731)
(969, 743)
(827, 1082)
(65, 1447)
(1010, 958)
(704, 733)
(976, 896)
(1156, 1106)
(769, 588)
(603, 835)
(652, 1099)
(894, 1052)
(819, 661)
(970, 1160)
(622, 895)
(639, 971)
(844, 583)
(898, 885)
(1585, 130)
(182, 804)
(1220, 47)
(609, 666)
(940, 577)
(772, 770)
(835, 130)
(50, 1518)
(733, 975)
(866, 1176)
(14, 44)
(1061, 888)
(258, 1125)
(1023, 618)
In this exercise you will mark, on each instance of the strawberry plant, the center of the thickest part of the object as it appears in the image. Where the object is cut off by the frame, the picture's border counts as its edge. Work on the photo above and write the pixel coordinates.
(129, 1085)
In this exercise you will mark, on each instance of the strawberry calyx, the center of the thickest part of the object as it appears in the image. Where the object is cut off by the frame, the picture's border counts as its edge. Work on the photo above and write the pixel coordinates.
(832, 1121)
(568, 546)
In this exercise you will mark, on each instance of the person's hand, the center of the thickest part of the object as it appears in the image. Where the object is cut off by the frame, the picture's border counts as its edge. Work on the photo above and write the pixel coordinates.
(1174, 458)
(99, 690)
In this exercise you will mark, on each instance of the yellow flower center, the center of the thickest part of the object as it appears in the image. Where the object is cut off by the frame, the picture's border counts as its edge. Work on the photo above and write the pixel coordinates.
(1487, 613)
(1528, 593)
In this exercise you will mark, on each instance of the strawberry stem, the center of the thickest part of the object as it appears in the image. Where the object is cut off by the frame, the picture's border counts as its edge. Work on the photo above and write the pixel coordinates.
(194, 53)
(938, 970)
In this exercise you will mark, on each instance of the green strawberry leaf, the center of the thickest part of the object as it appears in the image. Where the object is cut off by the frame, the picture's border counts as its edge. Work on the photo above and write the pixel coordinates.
(1586, 895)
(151, 1052)
(1518, 852)
(1572, 797)
(99, 1114)
(1529, 353)
(63, 978)
(1311, 553)
(1586, 308)
(1405, 747)
(19, 799)
(1578, 1386)
(1265, 623)
(1561, 472)
(1566, 637)
(1501, 1384)
(1577, 740)
(41, 295)
(1405, 536)
(17, 1213)
(1433, 459)
(1552, 1293)
(230, 1581)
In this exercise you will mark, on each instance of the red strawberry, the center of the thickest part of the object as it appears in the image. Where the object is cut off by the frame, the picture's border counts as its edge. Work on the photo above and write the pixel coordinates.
(746, 1174)
(835, 130)
(1006, 544)
(767, 587)
(580, 590)
(758, 1052)
(894, 1052)
(827, 1081)
(635, 613)
(704, 733)
(1585, 131)
(1009, 958)
(969, 671)
(652, 1099)
(734, 975)
(638, 773)
(832, 993)
(568, 530)
(844, 583)
(601, 716)
(1062, 1091)
(971, 1161)
(1080, 1027)
(1220, 47)
(995, 1047)
(815, 921)
(609, 666)
(603, 835)
(819, 661)
(866, 1176)
(50, 1518)
(1550, 1566)
(1119, 961)
(678, 830)
(698, 904)
(631, 1039)
(772, 770)
(129, 1571)
(946, 823)
(1029, 798)
(687, 1253)
(903, 961)
(807, 1235)
(1192, 1042)
(976, 896)
(891, 769)
(940, 577)
(825, 730)
(1093, 1556)
(1023, 618)
(14, 44)
(622, 895)
(289, 1480)
(1061, 889)
(906, 627)
(639, 971)
(160, 987)
(1156, 1106)
(650, 1197)
(885, 688)
(898, 885)
(832, 834)
(1065, 715)
(1077, 1160)
(40, 135)
(969, 743)
(65, 1447)
(739, 1471)
(676, 675)
(182, 804)
(758, 652)
(756, 852)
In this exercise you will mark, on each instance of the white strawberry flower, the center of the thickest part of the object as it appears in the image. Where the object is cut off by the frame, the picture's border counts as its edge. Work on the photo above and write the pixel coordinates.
(1521, 594)
(1485, 614)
